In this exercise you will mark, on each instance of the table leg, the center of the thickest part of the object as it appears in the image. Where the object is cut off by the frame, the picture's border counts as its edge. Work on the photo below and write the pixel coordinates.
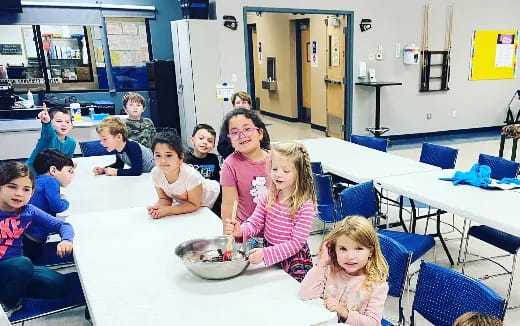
(501, 148)
(513, 150)
(377, 133)
(439, 234)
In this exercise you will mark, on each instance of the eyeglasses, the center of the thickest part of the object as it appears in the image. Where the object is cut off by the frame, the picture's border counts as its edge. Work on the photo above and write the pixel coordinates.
(246, 131)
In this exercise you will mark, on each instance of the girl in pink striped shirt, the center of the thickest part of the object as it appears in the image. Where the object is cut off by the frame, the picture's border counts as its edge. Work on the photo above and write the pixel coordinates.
(285, 215)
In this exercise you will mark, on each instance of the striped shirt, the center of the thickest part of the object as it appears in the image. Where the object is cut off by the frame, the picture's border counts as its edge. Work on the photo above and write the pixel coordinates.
(286, 235)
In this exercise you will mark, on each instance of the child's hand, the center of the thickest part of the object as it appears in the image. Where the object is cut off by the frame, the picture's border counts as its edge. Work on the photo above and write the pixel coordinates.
(233, 228)
(333, 304)
(98, 170)
(256, 256)
(64, 248)
(111, 171)
(63, 196)
(157, 211)
(44, 115)
(324, 259)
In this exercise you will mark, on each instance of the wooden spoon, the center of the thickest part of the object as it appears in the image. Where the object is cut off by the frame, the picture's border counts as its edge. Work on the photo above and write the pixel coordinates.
(229, 244)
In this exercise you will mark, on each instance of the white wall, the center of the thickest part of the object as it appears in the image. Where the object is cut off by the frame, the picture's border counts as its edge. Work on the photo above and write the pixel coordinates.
(477, 103)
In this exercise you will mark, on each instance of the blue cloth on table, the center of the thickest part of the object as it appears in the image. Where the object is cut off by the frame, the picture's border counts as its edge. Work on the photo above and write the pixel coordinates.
(510, 180)
(478, 176)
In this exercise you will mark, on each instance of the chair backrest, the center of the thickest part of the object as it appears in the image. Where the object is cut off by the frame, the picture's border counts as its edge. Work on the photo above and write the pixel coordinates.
(359, 200)
(379, 144)
(398, 259)
(324, 198)
(438, 155)
(442, 295)
(316, 168)
(93, 148)
(500, 167)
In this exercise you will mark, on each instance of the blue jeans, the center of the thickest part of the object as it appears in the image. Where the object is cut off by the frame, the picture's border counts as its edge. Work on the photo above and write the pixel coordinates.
(19, 278)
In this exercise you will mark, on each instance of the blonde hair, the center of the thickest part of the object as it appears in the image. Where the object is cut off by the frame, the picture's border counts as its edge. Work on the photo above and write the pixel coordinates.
(477, 319)
(360, 230)
(115, 126)
(303, 184)
(133, 97)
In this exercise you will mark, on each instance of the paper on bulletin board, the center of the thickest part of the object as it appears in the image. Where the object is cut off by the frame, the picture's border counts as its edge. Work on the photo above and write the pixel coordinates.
(114, 42)
(225, 91)
(493, 54)
(130, 28)
(100, 57)
(97, 32)
(115, 57)
(114, 28)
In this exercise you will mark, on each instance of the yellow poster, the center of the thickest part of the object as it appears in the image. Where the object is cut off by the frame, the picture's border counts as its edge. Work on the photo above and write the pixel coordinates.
(493, 54)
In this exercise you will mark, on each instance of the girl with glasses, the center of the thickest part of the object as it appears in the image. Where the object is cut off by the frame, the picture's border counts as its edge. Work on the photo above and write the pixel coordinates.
(244, 175)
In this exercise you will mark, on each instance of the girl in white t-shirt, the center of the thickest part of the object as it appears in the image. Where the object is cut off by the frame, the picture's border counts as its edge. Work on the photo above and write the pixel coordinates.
(180, 188)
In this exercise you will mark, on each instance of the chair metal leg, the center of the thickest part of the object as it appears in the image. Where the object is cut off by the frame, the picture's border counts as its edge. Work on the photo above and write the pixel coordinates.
(511, 283)
(501, 148)
(462, 240)
(401, 208)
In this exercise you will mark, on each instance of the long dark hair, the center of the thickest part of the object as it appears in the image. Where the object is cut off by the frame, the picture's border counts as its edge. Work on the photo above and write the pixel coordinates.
(265, 142)
(13, 170)
(171, 139)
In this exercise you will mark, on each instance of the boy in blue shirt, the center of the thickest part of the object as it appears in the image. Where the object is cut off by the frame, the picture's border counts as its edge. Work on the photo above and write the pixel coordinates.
(54, 170)
(56, 125)
(113, 135)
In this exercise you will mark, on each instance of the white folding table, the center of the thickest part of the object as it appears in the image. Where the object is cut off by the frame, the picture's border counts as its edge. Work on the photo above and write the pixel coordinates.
(496, 208)
(358, 163)
(90, 193)
(131, 276)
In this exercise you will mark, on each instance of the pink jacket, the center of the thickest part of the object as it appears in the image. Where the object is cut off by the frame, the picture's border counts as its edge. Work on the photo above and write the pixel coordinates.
(365, 307)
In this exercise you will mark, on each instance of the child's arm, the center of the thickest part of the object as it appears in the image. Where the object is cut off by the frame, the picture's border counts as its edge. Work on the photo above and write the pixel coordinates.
(57, 204)
(299, 234)
(190, 205)
(136, 160)
(314, 282)
(55, 225)
(373, 313)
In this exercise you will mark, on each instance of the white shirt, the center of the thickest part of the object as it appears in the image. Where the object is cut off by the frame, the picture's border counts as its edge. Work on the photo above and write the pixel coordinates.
(188, 179)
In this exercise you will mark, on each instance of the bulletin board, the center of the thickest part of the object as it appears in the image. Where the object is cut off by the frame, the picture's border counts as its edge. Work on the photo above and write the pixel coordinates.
(493, 54)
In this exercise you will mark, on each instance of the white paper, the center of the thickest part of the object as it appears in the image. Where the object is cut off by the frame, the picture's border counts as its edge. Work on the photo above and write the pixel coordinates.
(114, 42)
(335, 51)
(504, 55)
(314, 56)
(97, 33)
(225, 91)
(114, 28)
(130, 28)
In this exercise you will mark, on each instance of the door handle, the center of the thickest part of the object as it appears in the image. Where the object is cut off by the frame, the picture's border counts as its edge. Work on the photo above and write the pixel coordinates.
(332, 81)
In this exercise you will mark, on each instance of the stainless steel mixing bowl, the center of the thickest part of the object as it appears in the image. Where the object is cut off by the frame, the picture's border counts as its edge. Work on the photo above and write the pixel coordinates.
(193, 252)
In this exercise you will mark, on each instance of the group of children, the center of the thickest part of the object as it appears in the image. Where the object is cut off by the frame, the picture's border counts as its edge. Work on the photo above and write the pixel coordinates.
(273, 187)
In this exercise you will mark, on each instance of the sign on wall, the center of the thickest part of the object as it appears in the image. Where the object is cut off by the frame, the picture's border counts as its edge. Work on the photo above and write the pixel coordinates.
(314, 57)
(10, 49)
(493, 54)
(260, 54)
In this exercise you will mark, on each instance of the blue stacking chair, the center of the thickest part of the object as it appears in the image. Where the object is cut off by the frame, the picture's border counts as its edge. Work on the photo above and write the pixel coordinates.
(93, 148)
(445, 158)
(326, 205)
(361, 200)
(36, 308)
(316, 168)
(376, 143)
(442, 295)
(500, 168)
(398, 259)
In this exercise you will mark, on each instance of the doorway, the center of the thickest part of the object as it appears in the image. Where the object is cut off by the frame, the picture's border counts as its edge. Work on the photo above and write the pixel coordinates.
(311, 52)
